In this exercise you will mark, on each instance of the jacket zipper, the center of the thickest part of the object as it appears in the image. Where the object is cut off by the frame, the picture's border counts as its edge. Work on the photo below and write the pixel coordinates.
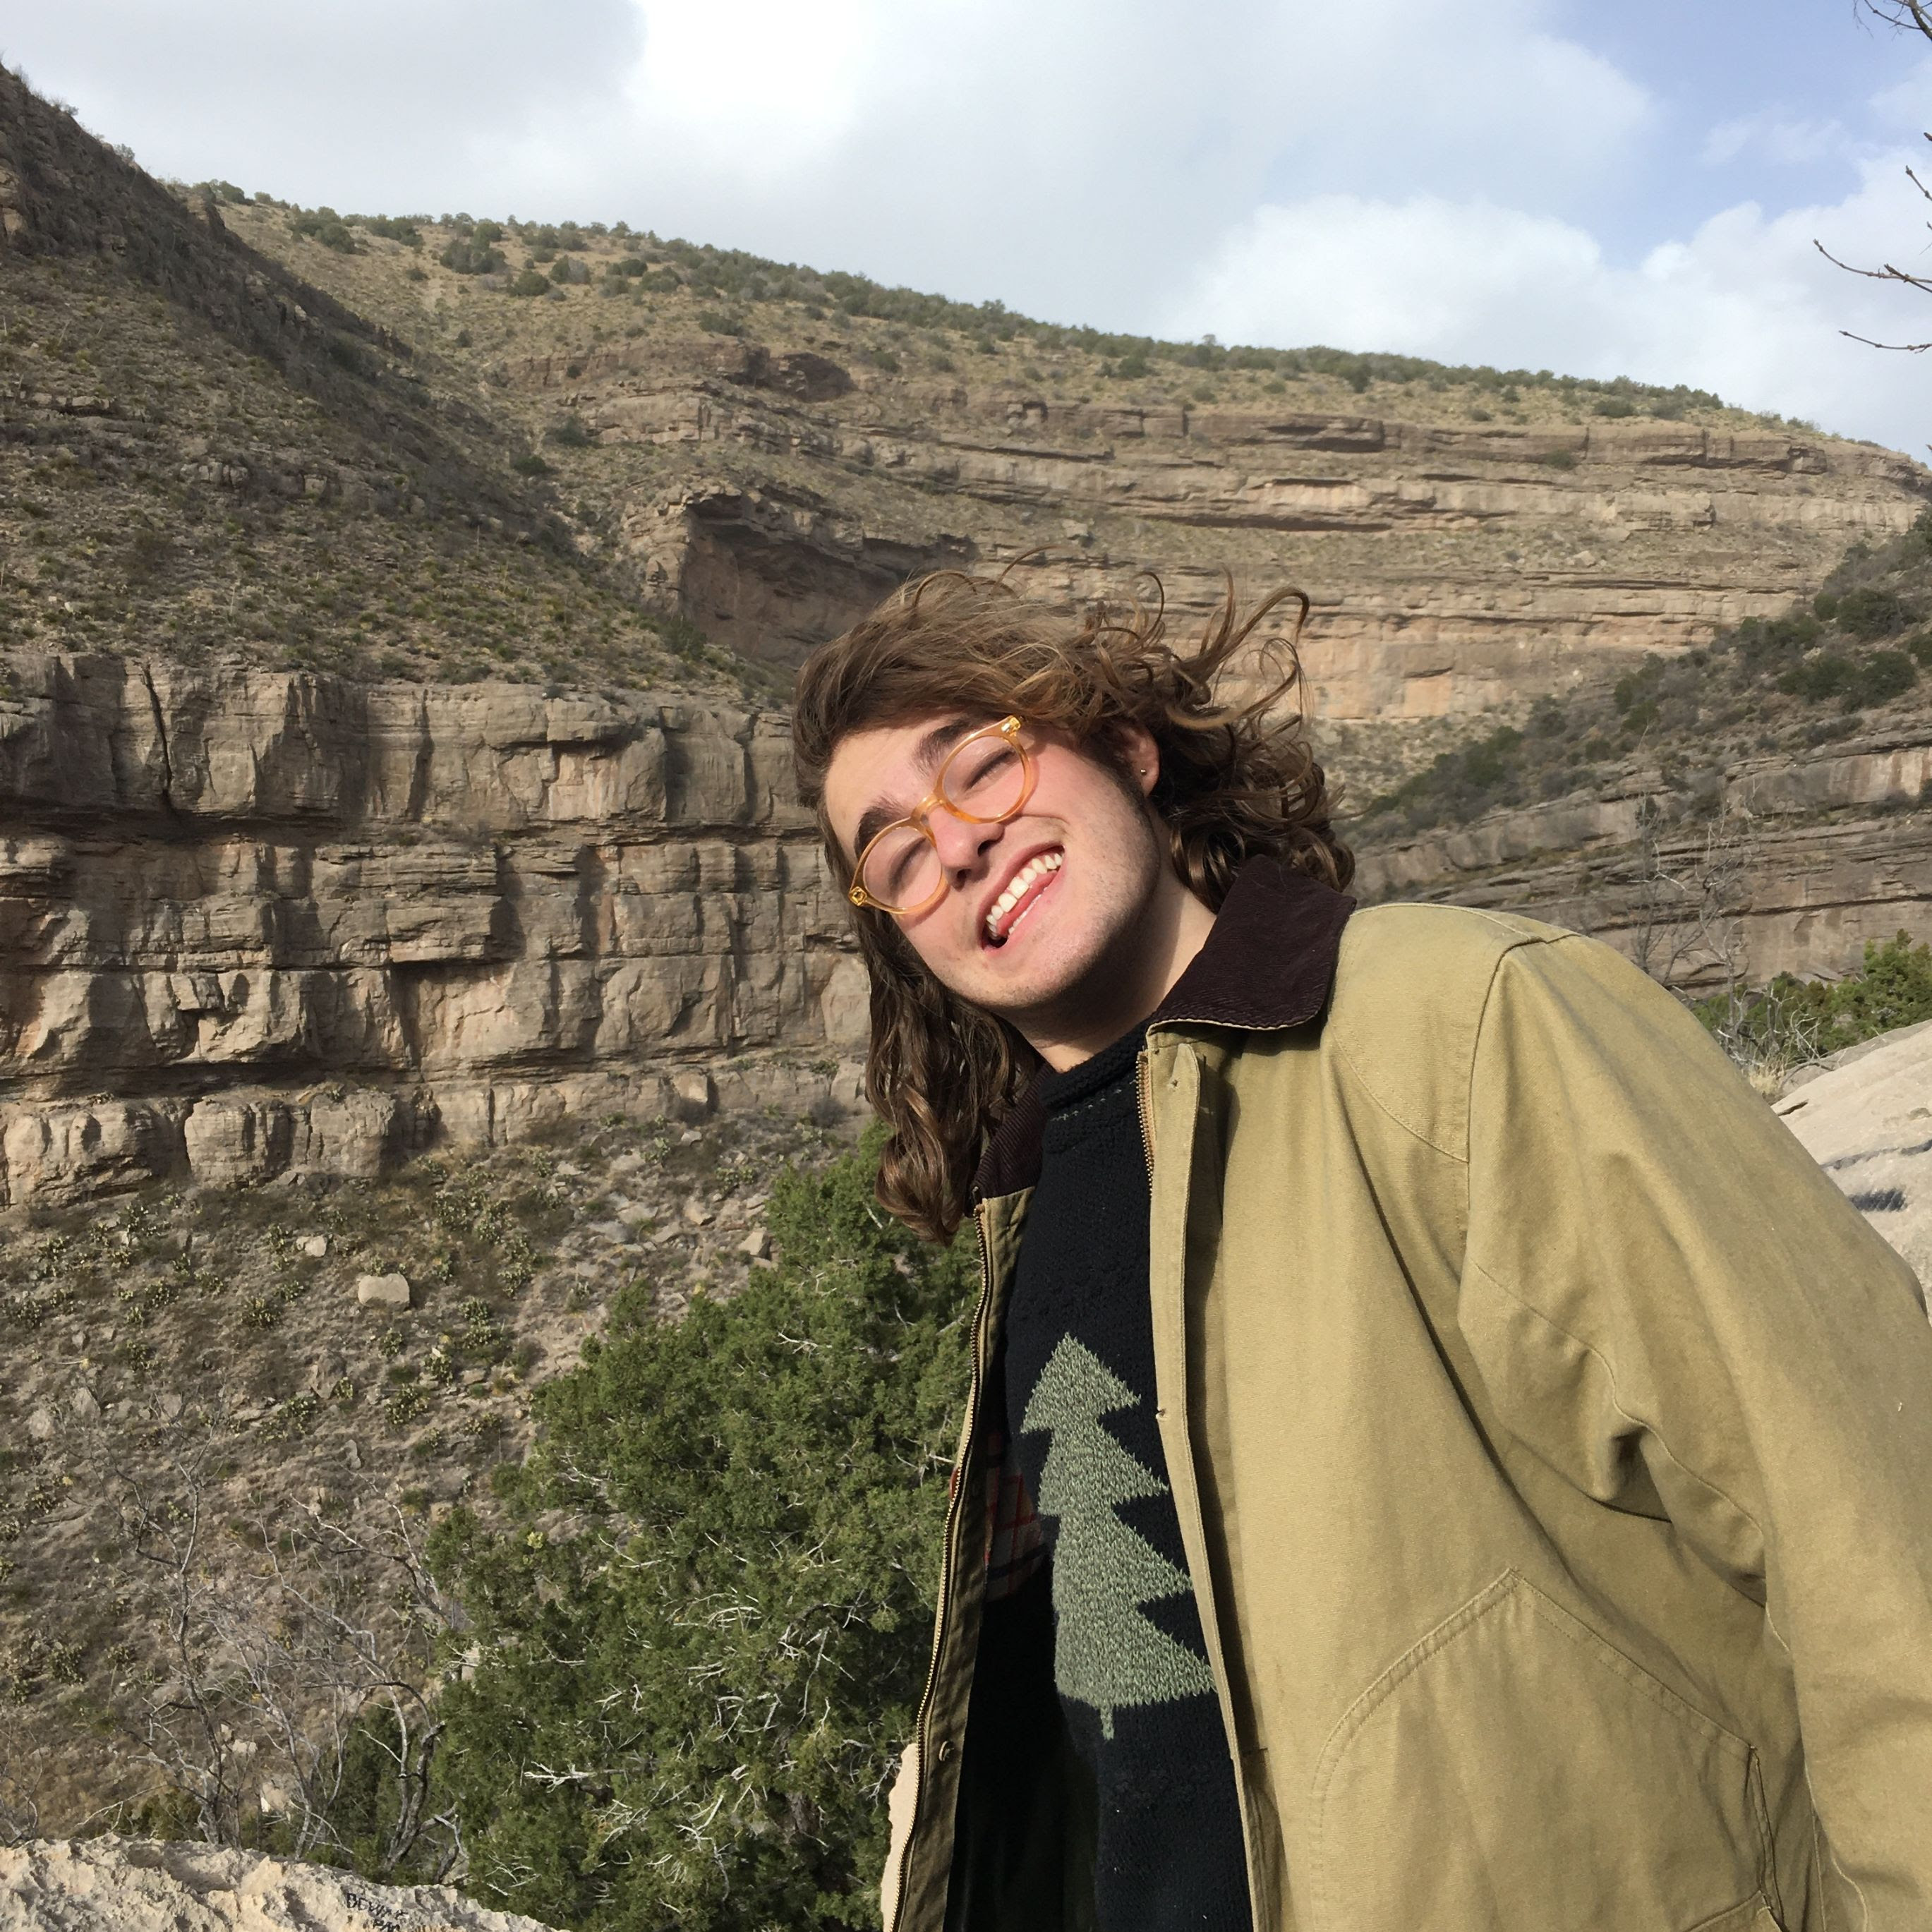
(954, 1505)
(1144, 1106)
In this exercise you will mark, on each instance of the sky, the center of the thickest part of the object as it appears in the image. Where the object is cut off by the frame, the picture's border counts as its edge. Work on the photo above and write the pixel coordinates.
(1630, 190)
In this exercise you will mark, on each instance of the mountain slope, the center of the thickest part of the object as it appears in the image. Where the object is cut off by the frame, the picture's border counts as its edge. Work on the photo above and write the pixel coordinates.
(1855, 660)
(768, 448)
(202, 454)
(405, 447)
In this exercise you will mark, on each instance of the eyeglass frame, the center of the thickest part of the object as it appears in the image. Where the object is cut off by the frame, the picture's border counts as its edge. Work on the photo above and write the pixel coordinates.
(1008, 727)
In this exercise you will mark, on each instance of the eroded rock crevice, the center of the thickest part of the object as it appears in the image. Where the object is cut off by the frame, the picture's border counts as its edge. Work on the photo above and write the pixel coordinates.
(386, 916)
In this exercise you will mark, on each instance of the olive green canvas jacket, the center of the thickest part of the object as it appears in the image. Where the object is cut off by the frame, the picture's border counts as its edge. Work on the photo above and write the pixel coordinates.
(1552, 1447)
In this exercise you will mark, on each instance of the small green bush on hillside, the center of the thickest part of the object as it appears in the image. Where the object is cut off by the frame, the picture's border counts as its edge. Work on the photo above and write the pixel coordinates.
(472, 257)
(705, 1635)
(1764, 644)
(349, 355)
(1871, 612)
(325, 226)
(392, 228)
(1856, 682)
(1792, 1021)
(1461, 783)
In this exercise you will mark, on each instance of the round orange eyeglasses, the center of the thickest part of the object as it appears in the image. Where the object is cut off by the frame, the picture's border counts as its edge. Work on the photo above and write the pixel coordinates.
(987, 777)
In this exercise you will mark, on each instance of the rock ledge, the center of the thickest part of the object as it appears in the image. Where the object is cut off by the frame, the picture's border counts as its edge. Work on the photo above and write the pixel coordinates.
(134, 1884)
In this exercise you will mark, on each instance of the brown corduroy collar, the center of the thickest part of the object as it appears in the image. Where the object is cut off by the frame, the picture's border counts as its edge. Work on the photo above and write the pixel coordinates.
(1268, 963)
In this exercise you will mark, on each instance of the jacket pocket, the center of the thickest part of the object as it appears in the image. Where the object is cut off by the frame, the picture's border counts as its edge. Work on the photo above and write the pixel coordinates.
(1513, 1772)
(1754, 1915)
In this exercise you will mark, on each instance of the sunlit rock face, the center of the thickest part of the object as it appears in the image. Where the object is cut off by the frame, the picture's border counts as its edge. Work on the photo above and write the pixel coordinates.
(255, 924)
(110, 1884)
(1455, 569)
(1804, 860)
(1863, 1115)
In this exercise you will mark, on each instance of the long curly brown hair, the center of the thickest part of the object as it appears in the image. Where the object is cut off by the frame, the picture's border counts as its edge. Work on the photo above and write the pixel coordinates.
(1238, 777)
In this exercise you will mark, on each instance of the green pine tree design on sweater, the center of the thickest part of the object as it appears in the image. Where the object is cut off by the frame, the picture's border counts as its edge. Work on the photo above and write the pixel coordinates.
(1106, 1654)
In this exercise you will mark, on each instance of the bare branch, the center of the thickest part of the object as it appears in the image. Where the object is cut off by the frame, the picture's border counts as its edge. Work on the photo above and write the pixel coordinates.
(1903, 348)
(1887, 274)
(280, 1668)
(1912, 16)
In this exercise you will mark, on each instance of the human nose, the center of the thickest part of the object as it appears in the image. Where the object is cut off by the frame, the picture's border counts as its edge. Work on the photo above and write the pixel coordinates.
(959, 842)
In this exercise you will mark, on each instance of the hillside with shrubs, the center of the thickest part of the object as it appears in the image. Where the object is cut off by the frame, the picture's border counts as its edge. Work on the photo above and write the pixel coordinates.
(282, 1568)
(344, 442)
(207, 456)
(1854, 660)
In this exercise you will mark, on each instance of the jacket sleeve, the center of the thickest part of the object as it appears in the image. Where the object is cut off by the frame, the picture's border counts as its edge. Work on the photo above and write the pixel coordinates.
(1657, 1270)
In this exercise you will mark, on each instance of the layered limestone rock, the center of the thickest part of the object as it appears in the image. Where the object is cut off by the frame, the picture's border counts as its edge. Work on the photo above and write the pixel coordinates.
(252, 925)
(1455, 570)
(1796, 865)
(111, 1884)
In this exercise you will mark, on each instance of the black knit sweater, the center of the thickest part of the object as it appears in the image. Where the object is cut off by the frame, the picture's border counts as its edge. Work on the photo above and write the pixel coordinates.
(1129, 1659)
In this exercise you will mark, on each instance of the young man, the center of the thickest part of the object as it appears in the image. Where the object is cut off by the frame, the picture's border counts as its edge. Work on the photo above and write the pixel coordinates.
(1440, 1457)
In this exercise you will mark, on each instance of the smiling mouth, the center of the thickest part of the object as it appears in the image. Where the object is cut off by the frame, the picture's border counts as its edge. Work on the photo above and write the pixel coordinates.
(1024, 887)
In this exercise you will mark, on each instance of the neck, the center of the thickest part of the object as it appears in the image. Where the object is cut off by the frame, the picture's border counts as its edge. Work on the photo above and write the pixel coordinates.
(1129, 981)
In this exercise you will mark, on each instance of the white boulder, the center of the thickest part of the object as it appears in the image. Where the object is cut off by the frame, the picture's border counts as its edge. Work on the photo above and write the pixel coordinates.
(1867, 1121)
(383, 1291)
(132, 1884)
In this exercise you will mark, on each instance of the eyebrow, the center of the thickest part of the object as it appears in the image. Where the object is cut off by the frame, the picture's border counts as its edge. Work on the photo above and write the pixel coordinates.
(881, 812)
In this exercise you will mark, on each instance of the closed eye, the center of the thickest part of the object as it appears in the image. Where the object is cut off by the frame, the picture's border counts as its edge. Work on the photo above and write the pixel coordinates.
(983, 764)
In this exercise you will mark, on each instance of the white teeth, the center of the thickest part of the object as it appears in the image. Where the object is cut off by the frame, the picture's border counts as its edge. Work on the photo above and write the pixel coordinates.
(1034, 869)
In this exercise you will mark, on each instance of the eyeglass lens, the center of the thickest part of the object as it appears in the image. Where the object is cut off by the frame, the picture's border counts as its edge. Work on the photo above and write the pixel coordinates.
(984, 781)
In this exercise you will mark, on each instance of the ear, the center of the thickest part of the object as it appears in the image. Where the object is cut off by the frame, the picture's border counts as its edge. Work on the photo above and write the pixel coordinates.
(1140, 754)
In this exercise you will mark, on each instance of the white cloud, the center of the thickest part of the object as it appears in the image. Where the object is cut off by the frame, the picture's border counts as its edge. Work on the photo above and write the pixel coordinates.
(1427, 175)
(1905, 108)
(1074, 157)
(391, 105)
(1419, 276)
(1745, 306)
(1775, 137)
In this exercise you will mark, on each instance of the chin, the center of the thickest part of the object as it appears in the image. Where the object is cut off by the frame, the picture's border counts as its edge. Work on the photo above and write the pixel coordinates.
(1059, 974)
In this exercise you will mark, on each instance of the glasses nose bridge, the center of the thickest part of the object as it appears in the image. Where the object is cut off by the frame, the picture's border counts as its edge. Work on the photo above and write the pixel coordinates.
(974, 830)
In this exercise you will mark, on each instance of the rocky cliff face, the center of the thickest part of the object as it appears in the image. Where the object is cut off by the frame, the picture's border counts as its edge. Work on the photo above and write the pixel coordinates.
(1804, 861)
(1456, 570)
(258, 921)
(253, 924)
